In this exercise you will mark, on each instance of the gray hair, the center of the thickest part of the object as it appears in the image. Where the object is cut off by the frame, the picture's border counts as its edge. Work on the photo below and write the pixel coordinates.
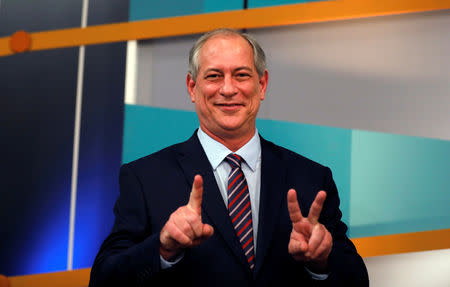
(259, 57)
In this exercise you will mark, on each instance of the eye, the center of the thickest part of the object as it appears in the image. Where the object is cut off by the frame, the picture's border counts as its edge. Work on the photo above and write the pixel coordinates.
(243, 75)
(212, 76)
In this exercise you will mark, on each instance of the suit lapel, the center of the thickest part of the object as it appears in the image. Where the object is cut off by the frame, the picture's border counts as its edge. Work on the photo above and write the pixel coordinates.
(272, 185)
(193, 160)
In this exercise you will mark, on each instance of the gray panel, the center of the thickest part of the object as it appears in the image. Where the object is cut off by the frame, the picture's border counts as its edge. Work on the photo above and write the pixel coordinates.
(161, 73)
(388, 74)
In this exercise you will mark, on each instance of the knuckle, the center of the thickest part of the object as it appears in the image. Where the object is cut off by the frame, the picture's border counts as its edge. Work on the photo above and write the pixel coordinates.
(191, 216)
(181, 238)
(186, 228)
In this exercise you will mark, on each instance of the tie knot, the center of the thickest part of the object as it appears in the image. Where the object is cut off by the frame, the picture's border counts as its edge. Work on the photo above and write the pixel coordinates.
(234, 160)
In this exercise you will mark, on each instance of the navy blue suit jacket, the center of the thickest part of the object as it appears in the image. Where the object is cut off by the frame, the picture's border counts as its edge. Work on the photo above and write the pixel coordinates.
(153, 187)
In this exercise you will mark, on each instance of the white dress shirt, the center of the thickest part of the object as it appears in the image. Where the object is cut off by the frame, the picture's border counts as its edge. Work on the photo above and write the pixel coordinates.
(251, 167)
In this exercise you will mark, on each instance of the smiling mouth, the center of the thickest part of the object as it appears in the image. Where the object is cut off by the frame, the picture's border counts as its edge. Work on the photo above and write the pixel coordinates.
(229, 108)
(230, 105)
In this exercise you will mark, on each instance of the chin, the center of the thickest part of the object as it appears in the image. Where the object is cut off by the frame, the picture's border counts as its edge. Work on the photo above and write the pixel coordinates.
(230, 126)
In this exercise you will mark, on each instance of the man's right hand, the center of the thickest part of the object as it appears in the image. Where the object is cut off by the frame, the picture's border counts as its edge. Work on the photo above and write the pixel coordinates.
(185, 228)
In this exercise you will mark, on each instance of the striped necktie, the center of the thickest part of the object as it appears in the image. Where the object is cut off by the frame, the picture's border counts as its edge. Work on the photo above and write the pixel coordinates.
(239, 207)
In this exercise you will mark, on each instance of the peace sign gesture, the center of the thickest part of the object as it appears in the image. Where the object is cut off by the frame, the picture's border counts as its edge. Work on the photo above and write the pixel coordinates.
(310, 241)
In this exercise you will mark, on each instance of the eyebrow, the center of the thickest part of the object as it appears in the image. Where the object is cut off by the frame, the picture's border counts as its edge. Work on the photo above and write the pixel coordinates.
(212, 70)
(243, 68)
(236, 69)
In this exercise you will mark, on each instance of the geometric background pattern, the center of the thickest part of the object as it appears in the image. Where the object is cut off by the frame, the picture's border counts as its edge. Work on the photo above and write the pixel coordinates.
(388, 183)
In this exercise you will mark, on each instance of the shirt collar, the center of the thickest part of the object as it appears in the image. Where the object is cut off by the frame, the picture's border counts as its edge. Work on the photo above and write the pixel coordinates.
(216, 152)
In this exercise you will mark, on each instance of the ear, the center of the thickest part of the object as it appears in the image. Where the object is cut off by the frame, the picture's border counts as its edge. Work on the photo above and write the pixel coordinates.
(263, 82)
(190, 83)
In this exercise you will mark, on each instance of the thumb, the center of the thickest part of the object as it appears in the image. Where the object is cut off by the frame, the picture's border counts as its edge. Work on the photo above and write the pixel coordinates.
(207, 231)
(195, 199)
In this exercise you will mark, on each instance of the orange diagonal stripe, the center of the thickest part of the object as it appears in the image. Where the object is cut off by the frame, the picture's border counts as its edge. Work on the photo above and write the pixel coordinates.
(250, 18)
(402, 243)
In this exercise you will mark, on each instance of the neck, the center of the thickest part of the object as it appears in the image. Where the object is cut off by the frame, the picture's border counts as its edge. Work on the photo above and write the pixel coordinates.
(232, 141)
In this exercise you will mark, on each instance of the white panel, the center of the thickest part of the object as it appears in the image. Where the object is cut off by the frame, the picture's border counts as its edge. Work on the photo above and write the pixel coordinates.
(430, 268)
(130, 74)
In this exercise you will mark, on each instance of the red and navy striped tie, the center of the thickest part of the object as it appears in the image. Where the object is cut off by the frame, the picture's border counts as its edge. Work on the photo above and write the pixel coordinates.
(239, 207)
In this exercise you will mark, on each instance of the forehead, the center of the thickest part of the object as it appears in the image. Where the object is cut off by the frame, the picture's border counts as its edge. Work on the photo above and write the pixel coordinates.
(226, 49)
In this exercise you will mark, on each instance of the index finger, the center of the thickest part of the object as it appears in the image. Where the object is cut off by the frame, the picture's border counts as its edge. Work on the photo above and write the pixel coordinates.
(195, 198)
(316, 207)
(294, 209)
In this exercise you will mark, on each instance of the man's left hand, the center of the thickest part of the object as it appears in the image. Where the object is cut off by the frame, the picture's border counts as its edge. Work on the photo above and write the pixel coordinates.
(310, 241)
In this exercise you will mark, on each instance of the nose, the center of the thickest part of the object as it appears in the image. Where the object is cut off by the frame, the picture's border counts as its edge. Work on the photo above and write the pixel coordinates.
(228, 88)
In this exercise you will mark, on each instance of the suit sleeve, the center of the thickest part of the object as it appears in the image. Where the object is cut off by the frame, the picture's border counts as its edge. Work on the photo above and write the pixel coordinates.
(130, 254)
(346, 266)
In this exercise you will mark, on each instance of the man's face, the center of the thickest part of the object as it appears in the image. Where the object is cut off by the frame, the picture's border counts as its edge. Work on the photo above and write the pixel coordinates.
(228, 90)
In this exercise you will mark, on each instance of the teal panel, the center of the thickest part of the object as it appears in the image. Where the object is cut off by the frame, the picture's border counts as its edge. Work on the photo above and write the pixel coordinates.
(151, 9)
(398, 184)
(217, 6)
(148, 129)
(326, 145)
(265, 3)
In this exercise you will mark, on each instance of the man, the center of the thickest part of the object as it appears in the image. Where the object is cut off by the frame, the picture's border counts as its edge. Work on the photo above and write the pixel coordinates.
(226, 207)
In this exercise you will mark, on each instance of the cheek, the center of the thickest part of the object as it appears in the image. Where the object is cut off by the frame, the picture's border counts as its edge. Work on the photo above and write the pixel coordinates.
(254, 107)
(252, 90)
(206, 94)
(203, 103)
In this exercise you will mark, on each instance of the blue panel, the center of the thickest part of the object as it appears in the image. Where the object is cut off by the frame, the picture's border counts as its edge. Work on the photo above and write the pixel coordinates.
(264, 3)
(36, 121)
(100, 148)
(150, 9)
(101, 135)
(398, 184)
(326, 145)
